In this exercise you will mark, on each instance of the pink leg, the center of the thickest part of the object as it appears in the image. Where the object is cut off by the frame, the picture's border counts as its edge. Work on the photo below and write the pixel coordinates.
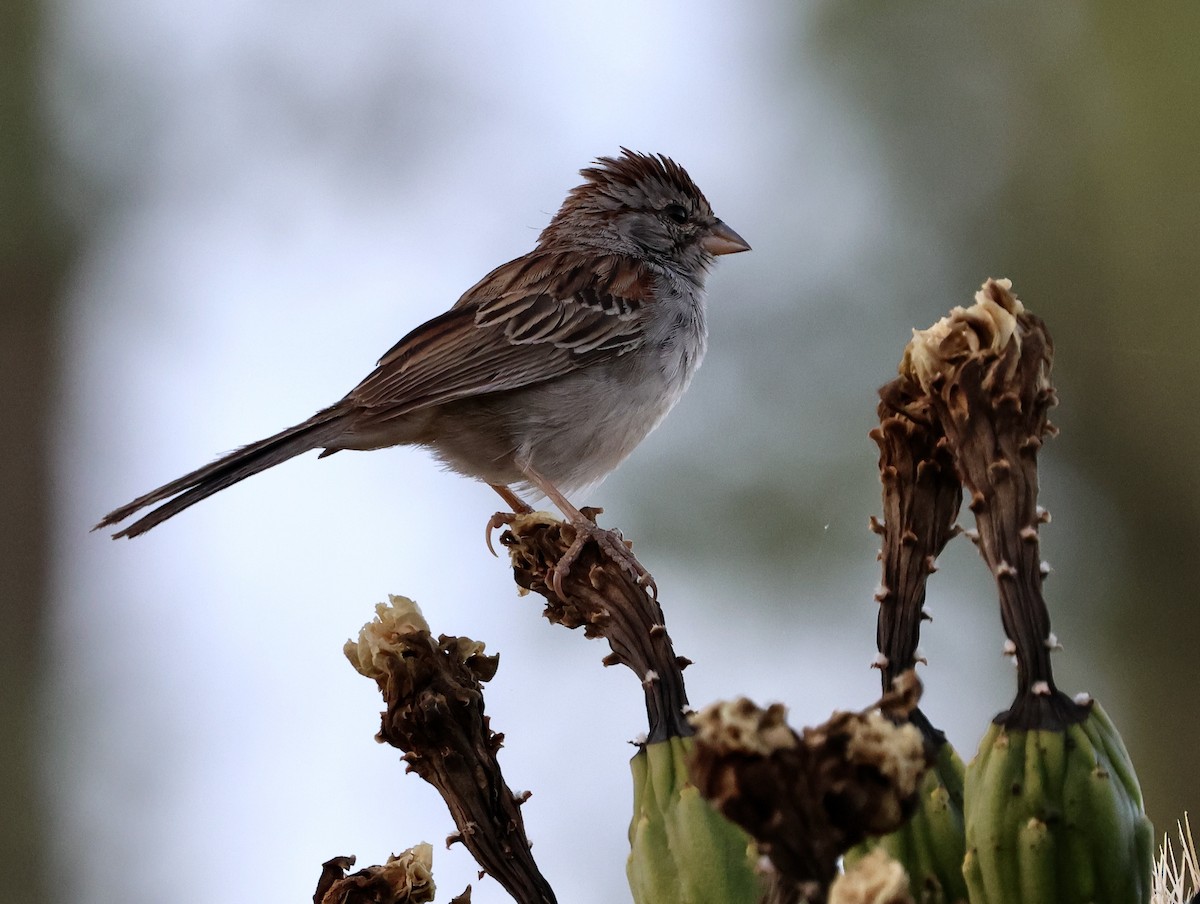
(511, 499)
(610, 542)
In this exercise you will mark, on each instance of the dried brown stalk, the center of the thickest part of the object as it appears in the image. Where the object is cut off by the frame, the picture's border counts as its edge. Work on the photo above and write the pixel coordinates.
(986, 373)
(921, 498)
(435, 714)
(604, 599)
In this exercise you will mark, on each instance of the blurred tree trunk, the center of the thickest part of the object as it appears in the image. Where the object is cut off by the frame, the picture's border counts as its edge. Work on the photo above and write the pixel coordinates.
(31, 276)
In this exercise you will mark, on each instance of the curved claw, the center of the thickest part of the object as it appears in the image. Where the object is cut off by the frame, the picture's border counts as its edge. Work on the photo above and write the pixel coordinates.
(500, 519)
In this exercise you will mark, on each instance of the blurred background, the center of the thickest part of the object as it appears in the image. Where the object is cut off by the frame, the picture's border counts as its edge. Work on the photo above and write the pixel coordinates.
(215, 220)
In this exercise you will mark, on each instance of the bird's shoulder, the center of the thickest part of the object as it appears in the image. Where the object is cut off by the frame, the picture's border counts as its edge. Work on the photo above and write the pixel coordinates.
(568, 299)
(535, 318)
(615, 284)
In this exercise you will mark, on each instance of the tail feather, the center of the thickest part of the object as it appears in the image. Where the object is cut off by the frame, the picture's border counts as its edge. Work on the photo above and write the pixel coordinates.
(189, 489)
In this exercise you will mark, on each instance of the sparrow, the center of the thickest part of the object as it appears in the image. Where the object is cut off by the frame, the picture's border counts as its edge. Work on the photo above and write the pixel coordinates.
(546, 373)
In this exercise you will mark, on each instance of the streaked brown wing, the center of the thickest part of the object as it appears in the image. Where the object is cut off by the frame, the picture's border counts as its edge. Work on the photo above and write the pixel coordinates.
(533, 319)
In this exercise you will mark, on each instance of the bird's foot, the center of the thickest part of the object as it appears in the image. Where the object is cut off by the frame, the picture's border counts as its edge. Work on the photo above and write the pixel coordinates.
(584, 530)
(611, 543)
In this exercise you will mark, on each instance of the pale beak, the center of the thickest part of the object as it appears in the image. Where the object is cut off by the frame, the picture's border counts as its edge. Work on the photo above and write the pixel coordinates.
(723, 240)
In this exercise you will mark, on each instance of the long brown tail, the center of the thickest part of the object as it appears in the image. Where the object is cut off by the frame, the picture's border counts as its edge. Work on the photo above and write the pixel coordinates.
(315, 433)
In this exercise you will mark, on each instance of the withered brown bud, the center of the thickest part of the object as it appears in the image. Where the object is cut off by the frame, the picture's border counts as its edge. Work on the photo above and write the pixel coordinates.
(807, 798)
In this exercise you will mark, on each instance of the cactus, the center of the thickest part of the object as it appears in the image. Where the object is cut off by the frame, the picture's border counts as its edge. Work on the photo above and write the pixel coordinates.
(1055, 817)
(930, 846)
(682, 851)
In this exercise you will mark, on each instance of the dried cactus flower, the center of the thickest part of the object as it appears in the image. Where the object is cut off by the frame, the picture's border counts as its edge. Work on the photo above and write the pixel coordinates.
(807, 798)
(406, 878)
(396, 618)
(875, 879)
(990, 324)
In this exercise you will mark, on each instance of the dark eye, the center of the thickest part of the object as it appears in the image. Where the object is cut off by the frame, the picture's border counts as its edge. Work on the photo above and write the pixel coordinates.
(676, 212)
